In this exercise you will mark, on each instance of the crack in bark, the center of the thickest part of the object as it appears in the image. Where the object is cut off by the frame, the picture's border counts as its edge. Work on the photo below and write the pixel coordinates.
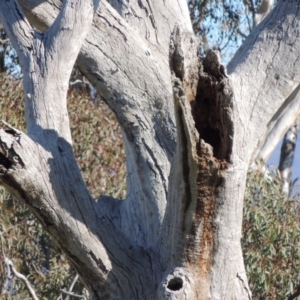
(245, 286)
(203, 104)
(113, 26)
(157, 167)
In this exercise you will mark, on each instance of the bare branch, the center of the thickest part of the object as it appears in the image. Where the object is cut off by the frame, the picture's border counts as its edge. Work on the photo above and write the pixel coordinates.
(114, 51)
(243, 35)
(73, 17)
(273, 70)
(72, 294)
(14, 130)
(11, 272)
(252, 9)
(10, 266)
(72, 286)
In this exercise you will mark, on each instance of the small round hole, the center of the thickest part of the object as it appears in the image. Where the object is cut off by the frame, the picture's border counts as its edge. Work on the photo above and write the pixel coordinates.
(175, 284)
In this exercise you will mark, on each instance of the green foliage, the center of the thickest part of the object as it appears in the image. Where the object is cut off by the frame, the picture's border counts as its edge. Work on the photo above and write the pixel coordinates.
(99, 151)
(33, 253)
(271, 238)
(98, 145)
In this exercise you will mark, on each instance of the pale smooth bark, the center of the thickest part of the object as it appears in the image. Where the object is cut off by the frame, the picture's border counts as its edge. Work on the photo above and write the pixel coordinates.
(177, 234)
(277, 127)
(132, 75)
(282, 123)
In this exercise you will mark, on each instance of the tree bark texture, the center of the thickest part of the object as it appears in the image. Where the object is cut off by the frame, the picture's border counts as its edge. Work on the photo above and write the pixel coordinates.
(177, 234)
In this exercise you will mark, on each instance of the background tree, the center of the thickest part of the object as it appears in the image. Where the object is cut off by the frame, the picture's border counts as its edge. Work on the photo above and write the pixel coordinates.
(225, 24)
(271, 239)
(213, 162)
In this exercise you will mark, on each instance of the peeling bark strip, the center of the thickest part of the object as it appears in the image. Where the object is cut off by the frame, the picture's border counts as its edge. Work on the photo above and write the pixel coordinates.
(203, 108)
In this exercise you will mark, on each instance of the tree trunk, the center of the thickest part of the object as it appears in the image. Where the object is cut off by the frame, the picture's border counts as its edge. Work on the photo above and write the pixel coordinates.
(177, 234)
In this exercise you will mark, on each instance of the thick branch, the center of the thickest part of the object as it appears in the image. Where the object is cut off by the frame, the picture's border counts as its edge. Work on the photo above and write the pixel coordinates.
(151, 20)
(42, 169)
(133, 76)
(74, 18)
(52, 187)
(265, 72)
(40, 55)
(17, 27)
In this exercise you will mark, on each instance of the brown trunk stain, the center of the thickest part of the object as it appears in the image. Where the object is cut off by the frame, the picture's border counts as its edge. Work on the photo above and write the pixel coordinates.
(210, 109)
(205, 148)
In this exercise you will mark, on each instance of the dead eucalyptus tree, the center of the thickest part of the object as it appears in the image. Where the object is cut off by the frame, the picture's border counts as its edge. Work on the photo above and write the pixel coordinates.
(190, 129)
